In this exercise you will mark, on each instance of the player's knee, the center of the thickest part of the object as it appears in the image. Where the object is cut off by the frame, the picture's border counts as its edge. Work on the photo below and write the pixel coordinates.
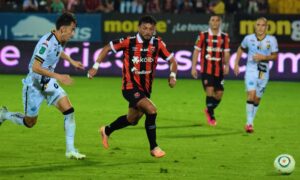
(152, 110)
(30, 121)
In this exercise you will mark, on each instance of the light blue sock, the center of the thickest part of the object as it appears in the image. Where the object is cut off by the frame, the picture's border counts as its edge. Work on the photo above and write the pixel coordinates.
(70, 127)
(249, 110)
(14, 117)
(255, 108)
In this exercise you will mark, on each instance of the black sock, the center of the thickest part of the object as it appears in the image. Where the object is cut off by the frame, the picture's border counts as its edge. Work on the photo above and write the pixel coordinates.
(119, 123)
(210, 105)
(151, 129)
(216, 102)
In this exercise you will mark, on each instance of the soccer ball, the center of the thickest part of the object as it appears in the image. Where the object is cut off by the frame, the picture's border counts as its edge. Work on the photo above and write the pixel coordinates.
(284, 164)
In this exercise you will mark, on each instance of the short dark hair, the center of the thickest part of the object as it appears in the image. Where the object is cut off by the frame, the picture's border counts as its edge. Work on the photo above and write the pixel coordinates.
(147, 19)
(65, 20)
(214, 14)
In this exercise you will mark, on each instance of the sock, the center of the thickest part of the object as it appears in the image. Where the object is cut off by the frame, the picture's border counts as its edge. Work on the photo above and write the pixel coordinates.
(216, 102)
(249, 110)
(119, 123)
(210, 105)
(255, 107)
(151, 129)
(15, 117)
(70, 127)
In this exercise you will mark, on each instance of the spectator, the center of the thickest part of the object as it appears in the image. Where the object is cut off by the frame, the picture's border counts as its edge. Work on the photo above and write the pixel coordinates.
(231, 6)
(137, 7)
(187, 7)
(168, 6)
(200, 6)
(57, 6)
(217, 7)
(252, 7)
(153, 6)
(263, 6)
(30, 5)
(92, 6)
(125, 6)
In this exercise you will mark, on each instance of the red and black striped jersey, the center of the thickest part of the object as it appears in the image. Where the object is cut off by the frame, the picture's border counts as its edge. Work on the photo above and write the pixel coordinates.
(140, 60)
(212, 48)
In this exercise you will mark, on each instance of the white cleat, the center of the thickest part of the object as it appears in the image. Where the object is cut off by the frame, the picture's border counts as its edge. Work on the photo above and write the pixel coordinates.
(75, 155)
(3, 110)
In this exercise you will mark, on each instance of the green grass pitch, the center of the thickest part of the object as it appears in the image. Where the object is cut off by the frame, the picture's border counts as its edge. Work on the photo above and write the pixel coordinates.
(194, 149)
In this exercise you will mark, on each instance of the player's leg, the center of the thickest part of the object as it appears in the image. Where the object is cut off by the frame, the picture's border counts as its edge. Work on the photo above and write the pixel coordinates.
(208, 85)
(261, 86)
(32, 100)
(251, 80)
(64, 105)
(147, 106)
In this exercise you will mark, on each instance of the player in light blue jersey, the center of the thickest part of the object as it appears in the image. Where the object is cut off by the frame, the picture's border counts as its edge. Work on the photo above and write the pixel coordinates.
(41, 82)
(261, 49)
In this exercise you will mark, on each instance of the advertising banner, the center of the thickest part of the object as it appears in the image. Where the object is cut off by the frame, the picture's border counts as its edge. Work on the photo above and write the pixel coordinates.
(31, 27)
(15, 57)
(174, 29)
(286, 28)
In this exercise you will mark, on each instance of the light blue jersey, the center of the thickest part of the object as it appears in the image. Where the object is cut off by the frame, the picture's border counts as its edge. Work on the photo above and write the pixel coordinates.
(36, 87)
(257, 74)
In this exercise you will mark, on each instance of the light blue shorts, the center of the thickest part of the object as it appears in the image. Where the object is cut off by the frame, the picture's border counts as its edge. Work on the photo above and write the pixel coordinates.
(34, 93)
(254, 82)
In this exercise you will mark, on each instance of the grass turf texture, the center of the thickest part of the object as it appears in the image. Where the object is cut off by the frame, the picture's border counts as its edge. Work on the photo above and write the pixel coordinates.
(194, 149)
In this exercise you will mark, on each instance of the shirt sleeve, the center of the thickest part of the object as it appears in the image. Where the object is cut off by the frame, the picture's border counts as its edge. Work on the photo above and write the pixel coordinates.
(163, 51)
(227, 40)
(43, 49)
(244, 44)
(199, 41)
(119, 44)
(274, 45)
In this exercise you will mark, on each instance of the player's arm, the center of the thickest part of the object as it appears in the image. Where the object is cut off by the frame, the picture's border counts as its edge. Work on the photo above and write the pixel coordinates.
(63, 78)
(173, 69)
(74, 63)
(226, 62)
(237, 60)
(194, 63)
(93, 71)
(261, 57)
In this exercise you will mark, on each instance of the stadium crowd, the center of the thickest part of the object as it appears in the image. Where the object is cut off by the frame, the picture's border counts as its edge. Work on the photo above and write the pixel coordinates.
(153, 6)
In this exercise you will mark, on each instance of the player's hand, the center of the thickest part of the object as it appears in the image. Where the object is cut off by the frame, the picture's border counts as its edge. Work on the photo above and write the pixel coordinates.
(172, 82)
(77, 65)
(236, 70)
(259, 57)
(226, 70)
(65, 79)
(194, 73)
(91, 73)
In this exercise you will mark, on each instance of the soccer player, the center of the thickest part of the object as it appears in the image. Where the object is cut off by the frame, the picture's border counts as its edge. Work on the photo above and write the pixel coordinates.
(261, 49)
(41, 82)
(140, 59)
(213, 47)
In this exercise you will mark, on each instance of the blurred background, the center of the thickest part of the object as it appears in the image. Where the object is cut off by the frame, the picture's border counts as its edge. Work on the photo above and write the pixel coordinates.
(23, 22)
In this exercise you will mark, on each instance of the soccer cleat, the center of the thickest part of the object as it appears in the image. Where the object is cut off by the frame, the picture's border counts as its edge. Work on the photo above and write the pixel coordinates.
(210, 121)
(249, 128)
(75, 155)
(104, 137)
(157, 152)
(3, 110)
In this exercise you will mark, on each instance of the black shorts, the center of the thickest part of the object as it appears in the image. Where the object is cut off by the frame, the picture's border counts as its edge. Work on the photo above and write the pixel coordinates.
(209, 80)
(133, 96)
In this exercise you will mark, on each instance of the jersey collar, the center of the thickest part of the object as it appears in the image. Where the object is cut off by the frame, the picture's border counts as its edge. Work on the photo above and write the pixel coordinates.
(53, 32)
(140, 39)
(211, 33)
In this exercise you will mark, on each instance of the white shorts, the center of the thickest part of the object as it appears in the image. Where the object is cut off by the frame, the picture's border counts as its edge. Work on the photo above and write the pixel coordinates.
(253, 82)
(34, 93)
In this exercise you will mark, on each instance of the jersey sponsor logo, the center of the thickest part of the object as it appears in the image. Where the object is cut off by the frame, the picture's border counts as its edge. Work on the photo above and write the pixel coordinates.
(136, 59)
(214, 49)
(214, 41)
(208, 57)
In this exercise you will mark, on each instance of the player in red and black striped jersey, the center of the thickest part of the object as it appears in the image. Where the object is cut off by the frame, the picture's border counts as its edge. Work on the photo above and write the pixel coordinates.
(141, 53)
(213, 47)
